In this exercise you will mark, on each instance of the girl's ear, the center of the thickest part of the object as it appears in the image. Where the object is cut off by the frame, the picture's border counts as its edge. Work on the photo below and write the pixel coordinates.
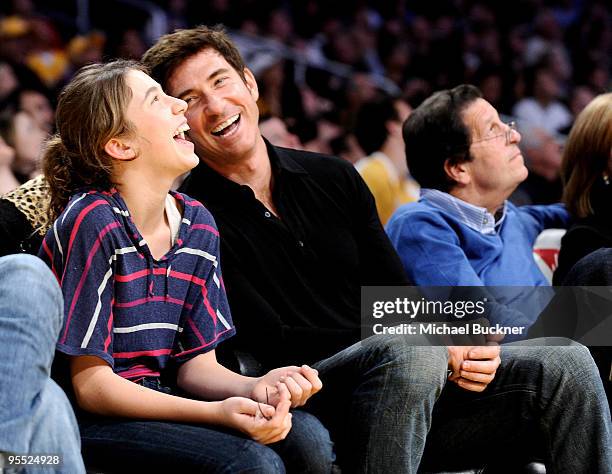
(119, 149)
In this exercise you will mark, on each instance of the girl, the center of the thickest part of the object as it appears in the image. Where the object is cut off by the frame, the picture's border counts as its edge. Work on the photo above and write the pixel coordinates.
(145, 304)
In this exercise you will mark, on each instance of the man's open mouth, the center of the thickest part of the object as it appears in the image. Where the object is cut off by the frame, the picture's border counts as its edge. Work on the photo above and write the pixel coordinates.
(226, 126)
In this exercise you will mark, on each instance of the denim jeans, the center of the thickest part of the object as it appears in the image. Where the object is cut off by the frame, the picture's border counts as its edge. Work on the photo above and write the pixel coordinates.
(544, 400)
(35, 415)
(122, 445)
(389, 408)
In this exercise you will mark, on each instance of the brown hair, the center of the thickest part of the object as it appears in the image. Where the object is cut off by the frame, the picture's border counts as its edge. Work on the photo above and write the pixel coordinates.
(587, 154)
(90, 111)
(173, 49)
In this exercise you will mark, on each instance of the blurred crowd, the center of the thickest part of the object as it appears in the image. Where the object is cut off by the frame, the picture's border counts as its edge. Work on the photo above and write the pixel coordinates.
(319, 63)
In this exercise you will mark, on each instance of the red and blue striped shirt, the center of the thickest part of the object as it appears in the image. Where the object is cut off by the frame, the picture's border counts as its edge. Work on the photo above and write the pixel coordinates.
(139, 314)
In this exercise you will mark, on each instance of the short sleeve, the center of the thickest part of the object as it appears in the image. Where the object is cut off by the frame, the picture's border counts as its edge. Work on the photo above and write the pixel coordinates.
(79, 250)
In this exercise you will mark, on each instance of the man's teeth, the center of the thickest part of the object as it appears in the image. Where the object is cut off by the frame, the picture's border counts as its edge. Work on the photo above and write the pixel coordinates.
(227, 123)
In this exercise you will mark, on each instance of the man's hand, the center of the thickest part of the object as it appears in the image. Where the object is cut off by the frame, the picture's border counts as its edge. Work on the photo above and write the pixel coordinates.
(301, 382)
(262, 422)
(473, 367)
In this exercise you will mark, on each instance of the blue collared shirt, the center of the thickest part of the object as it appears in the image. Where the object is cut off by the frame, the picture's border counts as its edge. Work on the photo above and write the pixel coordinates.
(475, 217)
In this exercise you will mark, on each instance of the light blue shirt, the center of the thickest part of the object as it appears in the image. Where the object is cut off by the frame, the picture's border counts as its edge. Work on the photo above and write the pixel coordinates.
(475, 217)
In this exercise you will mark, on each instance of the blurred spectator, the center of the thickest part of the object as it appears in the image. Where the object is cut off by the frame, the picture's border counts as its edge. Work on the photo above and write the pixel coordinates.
(378, 129)
(14, 38)
(35, 102)
(543, 109)
(26, 137)
(8, 181)
(418, 46)
(346, 147)
(275, 130)
(580, 98)
(86, 49)
(326, 130)
(542, 153)
(8, 80)
(128, 45)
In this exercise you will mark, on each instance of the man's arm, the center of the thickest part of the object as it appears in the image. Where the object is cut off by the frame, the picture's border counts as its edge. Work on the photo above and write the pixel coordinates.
(205, 377)
(99, 390)
(430, 251)
(254, 316)
(553, 216)
(432, 256)
(379, 263)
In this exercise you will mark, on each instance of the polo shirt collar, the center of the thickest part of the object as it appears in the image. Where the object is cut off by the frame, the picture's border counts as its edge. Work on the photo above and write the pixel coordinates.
(475, 217)
(225, 191)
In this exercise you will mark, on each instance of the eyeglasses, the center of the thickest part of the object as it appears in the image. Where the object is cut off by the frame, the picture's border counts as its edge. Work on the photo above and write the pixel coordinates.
(508, 134)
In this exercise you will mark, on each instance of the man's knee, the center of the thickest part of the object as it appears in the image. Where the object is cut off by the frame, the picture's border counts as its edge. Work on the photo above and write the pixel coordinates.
(413, 364)
(570, 364)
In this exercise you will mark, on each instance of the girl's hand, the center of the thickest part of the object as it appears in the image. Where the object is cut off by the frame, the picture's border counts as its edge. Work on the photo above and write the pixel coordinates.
(302, 382)
(262, 422)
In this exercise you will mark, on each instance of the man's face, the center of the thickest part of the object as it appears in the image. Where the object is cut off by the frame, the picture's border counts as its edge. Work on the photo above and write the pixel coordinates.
(497, 163)
(222, 109)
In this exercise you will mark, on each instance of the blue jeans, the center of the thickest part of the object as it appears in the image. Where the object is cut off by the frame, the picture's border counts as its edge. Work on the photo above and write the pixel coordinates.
(544, 400)
(35, 415)
(122, 445)
(389, 408)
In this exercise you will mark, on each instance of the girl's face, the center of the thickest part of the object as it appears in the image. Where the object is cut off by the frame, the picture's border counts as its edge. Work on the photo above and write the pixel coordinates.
(159, 123)
(28, 138)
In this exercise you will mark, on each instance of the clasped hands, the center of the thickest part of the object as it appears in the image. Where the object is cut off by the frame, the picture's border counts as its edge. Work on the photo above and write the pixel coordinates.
(473, 367)
(265, 416)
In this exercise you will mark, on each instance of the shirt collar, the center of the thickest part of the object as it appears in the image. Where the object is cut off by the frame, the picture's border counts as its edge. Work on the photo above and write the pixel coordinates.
(281, 159)
(475, 217)
(205, 184)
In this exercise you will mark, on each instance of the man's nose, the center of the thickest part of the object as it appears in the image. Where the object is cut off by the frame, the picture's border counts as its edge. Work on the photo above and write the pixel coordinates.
(214, 105)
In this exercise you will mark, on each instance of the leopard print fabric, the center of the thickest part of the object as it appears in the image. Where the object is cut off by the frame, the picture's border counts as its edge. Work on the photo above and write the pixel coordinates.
(32, 200)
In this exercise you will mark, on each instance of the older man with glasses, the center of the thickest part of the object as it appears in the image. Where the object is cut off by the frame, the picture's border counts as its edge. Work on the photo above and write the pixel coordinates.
(463, 231)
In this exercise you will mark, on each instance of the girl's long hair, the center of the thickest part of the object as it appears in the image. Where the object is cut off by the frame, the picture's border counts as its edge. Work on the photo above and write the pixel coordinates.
(90, 111)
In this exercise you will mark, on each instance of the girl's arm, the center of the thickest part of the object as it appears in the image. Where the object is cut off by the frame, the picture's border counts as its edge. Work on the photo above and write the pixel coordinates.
(205, 377)
(99, 390)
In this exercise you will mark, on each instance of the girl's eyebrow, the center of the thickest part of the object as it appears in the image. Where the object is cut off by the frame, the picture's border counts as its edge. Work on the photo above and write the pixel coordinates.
(150, 90)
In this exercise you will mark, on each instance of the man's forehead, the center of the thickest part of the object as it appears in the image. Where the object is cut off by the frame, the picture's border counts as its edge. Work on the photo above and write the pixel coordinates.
(479, 114)
(194, 69)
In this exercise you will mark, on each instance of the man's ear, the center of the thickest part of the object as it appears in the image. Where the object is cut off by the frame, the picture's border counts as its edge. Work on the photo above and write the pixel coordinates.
(251, 83)
(458, 172)
(119, 149)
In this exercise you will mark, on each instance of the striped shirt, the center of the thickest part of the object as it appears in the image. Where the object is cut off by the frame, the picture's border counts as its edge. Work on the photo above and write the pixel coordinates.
(138, 314)
(475, 217)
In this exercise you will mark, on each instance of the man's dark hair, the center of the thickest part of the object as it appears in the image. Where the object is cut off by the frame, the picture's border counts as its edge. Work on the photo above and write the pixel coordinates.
(371, 123)
(435, 132)
(174, 49)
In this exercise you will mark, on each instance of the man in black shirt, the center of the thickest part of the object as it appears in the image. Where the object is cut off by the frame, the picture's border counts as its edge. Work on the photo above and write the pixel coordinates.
(294, 267)
(300, 236)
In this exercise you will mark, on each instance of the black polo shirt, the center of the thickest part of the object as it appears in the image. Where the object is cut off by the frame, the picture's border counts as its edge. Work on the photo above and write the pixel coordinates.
(294, 282)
